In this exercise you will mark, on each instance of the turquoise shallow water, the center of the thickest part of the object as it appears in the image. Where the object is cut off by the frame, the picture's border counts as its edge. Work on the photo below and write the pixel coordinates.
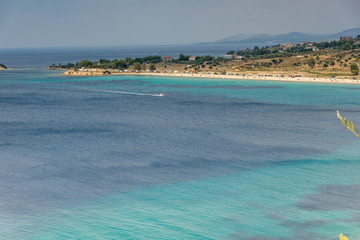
(212, 159)
(256, 204)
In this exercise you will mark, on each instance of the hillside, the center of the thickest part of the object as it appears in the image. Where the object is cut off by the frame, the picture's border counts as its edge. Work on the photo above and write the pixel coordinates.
(326, 64)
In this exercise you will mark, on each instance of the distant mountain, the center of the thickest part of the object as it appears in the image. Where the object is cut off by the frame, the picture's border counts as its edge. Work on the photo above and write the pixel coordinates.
(293, 37)
(352, 32)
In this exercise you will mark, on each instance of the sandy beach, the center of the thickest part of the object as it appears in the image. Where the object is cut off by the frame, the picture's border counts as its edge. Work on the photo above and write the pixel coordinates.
(348, 80)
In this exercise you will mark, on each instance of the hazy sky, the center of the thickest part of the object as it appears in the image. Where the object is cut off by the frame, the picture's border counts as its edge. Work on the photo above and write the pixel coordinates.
(33, 23)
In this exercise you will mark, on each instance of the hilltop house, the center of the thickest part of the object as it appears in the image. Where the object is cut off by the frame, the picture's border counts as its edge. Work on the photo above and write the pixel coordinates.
(167, 59)
(311, 47)
(345, 38)
(288, 46)
(227, 56)
(192, 58)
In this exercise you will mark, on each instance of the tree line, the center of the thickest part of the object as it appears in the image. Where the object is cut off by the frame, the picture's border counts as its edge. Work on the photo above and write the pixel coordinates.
(277, 51)
(139, 63)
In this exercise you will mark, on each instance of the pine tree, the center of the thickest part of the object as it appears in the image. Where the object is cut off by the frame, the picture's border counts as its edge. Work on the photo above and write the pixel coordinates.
(354, 68)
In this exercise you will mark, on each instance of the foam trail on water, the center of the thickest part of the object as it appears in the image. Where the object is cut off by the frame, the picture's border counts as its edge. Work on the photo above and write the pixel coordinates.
(128, 93)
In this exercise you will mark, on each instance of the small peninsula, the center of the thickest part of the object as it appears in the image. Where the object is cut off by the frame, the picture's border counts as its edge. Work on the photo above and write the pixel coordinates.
(3, 67)
(335, 61)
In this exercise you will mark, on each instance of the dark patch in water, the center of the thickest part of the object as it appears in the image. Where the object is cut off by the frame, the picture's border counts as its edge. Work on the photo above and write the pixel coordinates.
(333, 197)
(327, 90)
(5, 144)
(256, 205)
(218, 87)
(275, 216)
(302, 225)
(348, 88)
(42, 131)
(245, 87)
(227, 104)
(299, 231)
(243, 236)
(119, 82)
(173, 86)
(190, 163)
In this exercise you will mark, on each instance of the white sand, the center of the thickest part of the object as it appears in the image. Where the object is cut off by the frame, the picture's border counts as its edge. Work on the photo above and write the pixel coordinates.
(349, 80)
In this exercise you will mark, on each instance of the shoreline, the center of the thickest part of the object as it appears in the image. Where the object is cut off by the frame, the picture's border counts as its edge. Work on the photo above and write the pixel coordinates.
(209, 76)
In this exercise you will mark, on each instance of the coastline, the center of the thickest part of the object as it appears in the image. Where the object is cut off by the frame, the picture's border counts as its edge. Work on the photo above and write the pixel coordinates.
(216, 76)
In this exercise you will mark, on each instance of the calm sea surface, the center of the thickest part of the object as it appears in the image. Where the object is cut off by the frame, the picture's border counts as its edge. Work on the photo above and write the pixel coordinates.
(212, 159)
(44, 57)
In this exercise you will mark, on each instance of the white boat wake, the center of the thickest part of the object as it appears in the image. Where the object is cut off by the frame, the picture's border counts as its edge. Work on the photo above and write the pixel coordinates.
(128, 93)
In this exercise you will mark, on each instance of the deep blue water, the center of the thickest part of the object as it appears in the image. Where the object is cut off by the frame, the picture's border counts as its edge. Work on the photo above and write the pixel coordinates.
(44, 57)
(212, 159)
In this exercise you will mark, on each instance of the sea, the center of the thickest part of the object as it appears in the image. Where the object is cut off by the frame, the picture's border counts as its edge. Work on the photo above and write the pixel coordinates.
(107, 157)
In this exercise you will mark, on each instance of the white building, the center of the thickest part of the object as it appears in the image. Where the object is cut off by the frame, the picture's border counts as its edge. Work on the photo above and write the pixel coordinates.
(228, 56)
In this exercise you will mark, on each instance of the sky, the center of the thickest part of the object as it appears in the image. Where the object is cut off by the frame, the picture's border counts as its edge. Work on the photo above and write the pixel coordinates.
(45, 23)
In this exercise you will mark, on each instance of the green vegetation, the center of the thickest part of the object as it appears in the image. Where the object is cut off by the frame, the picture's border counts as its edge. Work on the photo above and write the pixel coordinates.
(340, 45)
(143, 63)
(152, 67)
(311, 62)
(354, 68)
(321, 59)
(295, 49)
(137, 66)
(67, 66)
(3, 66)
(119, 64)
(199, 60)
(85, 63)
(183, 58)
(111, 64)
